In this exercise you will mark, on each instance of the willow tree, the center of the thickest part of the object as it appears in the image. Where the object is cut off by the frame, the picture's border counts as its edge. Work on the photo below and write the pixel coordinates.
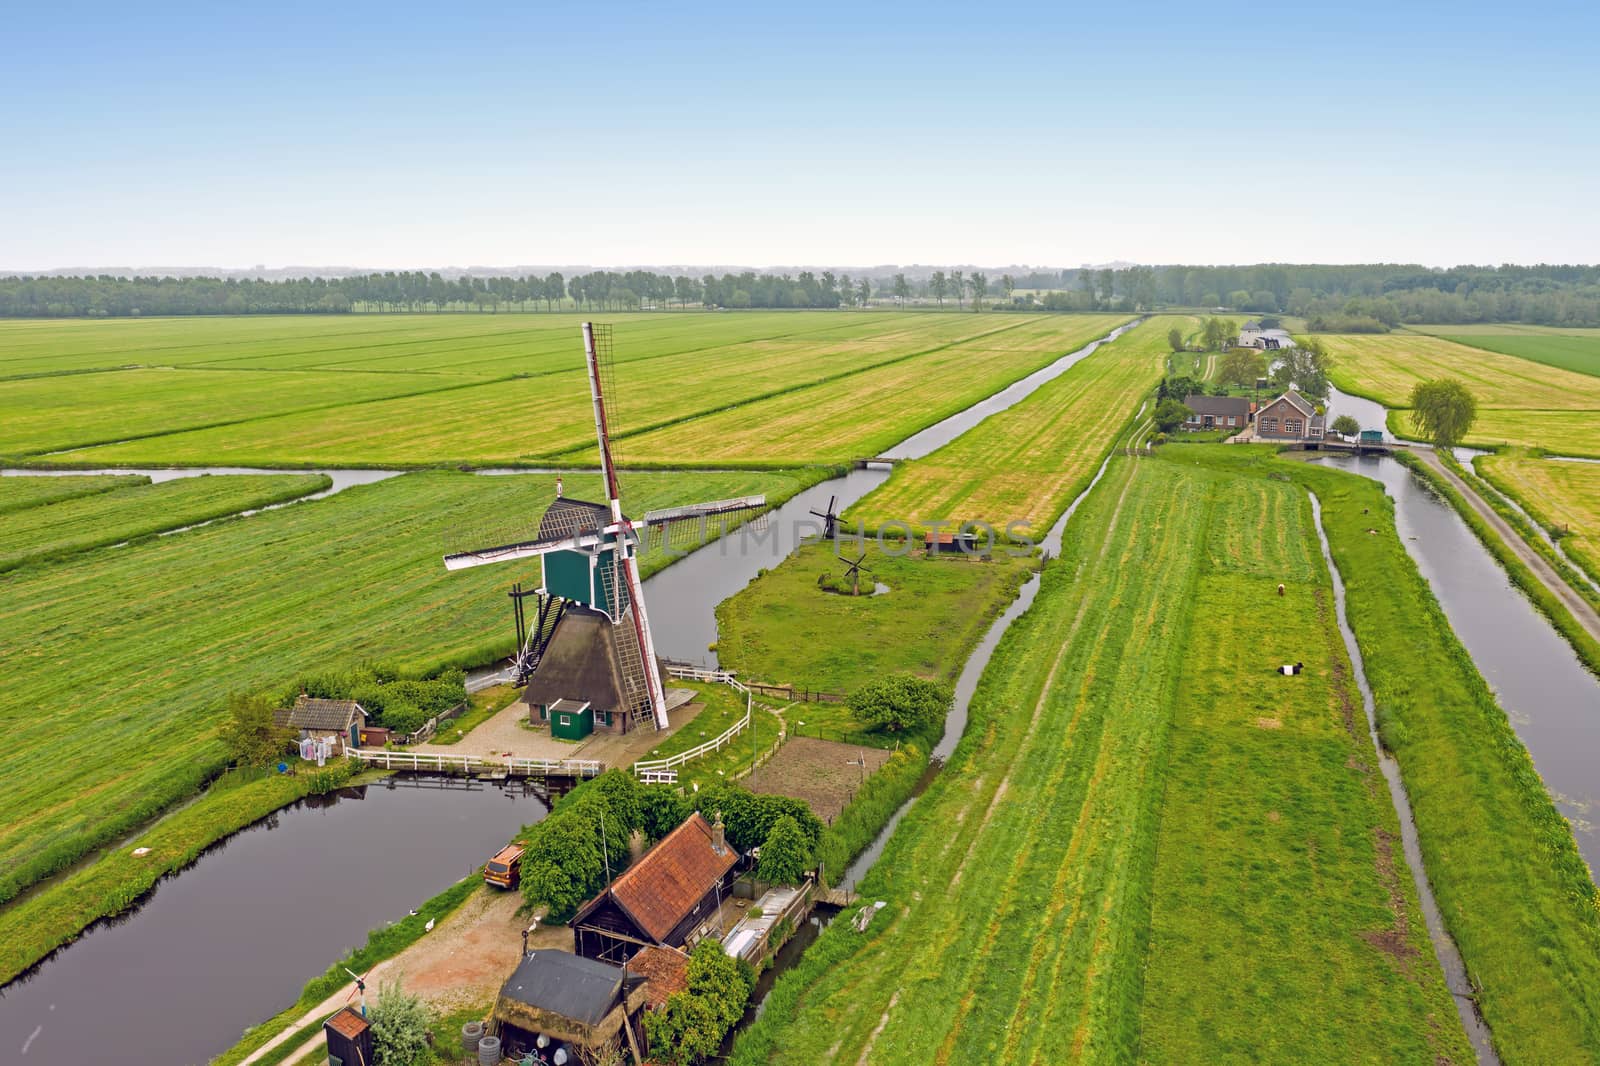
(1443, 410)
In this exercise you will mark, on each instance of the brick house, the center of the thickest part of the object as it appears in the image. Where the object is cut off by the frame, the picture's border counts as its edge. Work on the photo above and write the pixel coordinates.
(1291, 417)
(1216, 412)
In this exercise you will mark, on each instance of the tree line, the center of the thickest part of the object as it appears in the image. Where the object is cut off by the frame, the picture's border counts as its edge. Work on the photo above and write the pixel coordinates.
(1354, 298)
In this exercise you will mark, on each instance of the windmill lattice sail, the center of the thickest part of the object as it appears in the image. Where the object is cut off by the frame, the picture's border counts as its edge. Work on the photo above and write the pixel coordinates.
(589, 552)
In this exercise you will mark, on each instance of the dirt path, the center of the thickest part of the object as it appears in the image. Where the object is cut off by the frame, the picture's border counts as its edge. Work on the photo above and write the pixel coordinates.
(463, 961)
(1541, 568)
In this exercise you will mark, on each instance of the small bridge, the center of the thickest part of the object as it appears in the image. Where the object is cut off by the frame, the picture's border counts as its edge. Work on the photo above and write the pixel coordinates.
(875, 460)
(1353, 447)
(438, 762)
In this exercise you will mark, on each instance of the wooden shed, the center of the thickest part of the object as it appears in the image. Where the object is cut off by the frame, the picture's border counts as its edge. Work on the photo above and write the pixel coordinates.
(349, 1038)
(663, 899)
(312, 717)
(567, 998)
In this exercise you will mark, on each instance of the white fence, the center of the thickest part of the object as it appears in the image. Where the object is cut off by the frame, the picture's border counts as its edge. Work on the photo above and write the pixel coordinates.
(663, 771)
(440, 762)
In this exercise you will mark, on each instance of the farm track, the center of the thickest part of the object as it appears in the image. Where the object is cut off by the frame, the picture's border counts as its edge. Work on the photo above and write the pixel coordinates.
(1582, 611)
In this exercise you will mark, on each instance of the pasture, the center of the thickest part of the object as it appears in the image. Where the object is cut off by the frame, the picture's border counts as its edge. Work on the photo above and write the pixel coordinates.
(21, 493)
(408, 391)
(1520, 402)
(99, 519)
(785, 630)
(1025, 904)
(1567, 348)
(119, 663)
(1025, 463)
(1560, 495)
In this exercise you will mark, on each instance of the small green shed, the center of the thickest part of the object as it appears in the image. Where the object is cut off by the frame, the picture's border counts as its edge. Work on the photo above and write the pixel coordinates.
(570, 719)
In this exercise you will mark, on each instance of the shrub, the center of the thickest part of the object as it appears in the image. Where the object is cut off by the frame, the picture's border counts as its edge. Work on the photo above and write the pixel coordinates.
(399, 1029)
(901, 703)
(784, 854)
(748, 818)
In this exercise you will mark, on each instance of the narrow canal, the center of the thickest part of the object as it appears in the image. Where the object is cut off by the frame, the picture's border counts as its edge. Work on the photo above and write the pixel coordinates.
(232, 939)
(1551, 700)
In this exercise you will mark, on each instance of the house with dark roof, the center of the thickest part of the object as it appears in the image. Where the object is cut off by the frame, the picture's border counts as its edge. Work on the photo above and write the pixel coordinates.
(312, 717)
(1216, 412)
(567, 999)
(1291, 417)
(667, 898)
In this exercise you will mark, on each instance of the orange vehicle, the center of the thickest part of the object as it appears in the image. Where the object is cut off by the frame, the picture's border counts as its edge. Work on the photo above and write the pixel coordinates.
(505, 869)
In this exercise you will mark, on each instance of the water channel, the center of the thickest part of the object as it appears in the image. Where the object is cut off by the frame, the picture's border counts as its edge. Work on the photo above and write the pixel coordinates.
(233, 938)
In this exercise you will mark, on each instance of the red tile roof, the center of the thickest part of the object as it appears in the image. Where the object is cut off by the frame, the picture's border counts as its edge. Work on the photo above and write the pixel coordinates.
(666, 971)
(659, 889)
(347, 1023)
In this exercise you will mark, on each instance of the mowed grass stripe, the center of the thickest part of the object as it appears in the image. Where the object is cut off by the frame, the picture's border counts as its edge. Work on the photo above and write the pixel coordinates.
(1520, 401)
(1285, 925)
(63, 529)
(1025, 463)
(1568, 348)
(1559, 495)
(1065, 727)
(859, 414)
(132, 652)
(21, 493)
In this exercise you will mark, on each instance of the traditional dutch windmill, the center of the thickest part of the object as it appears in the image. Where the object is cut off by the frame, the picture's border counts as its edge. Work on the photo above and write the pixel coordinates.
(588, 659)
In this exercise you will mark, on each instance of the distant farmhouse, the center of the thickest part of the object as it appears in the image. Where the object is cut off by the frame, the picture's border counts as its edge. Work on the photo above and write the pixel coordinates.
(1252, 335)
(1291, 417)
(1216, 412)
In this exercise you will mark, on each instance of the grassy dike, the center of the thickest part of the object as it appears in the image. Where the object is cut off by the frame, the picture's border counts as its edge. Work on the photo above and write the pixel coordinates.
(1513, 889)
(1541, 597)
(1503, 488)
(53, 915)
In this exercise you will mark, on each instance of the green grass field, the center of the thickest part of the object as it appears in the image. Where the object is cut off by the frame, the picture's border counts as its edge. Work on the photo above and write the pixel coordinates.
(758, 389)
(1025, 912)
(21, 493)
(118, 664)
(783, 629)
(1569, 349)
(1561, 496)
(1520, 402)
(1026, 463)
(64, 528)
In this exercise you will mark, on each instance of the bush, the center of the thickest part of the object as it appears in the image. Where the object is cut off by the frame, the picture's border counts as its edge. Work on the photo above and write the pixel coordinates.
(399, 1029)
(901, 703)
(748, 818)
(691, 1026)
(785, 857)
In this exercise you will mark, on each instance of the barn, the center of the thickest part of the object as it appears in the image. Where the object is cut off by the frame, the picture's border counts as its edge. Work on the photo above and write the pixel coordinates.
(666, 898)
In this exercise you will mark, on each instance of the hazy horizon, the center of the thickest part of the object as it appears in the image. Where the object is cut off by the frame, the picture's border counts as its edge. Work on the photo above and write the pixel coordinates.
(303, 135)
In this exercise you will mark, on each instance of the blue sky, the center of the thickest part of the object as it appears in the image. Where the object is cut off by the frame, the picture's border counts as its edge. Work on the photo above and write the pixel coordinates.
(398, 135)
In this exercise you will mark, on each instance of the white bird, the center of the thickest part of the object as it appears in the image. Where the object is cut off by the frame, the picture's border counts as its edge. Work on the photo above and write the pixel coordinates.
(429, 927)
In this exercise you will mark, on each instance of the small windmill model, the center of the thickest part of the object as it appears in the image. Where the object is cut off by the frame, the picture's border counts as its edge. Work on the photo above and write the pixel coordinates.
(853, 571)
(830, 518)
(590, 557)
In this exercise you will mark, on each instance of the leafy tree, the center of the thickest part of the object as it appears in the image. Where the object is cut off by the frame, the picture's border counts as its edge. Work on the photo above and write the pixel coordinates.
(784, 855)
(661, 810)
(1170, 414)
(748, 817)
(901, 703)
(685, 1031)
(399, 1029)
(1108, 284)
(1346, 425)
(250, 734)
(1008, 285)
(715, 975)
(1217, 333)
(1242, 366)
(1443, 410)
(959, 284)
(866, 291)
(979, 284)
(938, 285)
(1304, 368)
(902, 289)
(1175, 339)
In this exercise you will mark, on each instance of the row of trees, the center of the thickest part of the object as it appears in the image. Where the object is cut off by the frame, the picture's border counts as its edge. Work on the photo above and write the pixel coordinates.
(1371, 297)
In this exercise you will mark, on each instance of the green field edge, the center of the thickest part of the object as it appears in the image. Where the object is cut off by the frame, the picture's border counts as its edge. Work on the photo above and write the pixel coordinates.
(1527, 582)
(1572, 568)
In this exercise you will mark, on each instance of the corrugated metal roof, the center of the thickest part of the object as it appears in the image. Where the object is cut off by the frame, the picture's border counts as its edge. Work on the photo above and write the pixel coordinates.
(311, 713)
